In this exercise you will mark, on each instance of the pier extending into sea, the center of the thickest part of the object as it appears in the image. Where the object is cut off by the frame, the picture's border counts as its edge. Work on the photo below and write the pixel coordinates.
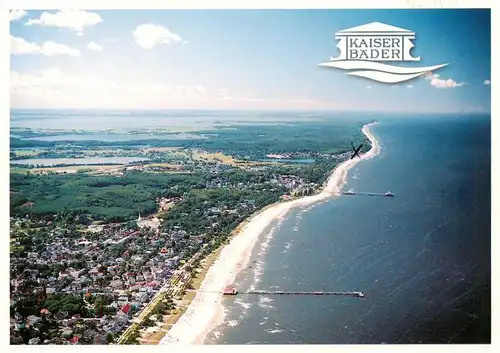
(386, 194)
(231, 290)
(345, 294)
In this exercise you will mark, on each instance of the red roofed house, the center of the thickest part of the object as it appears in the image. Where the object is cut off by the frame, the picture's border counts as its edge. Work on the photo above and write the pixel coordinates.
(152, 284)
(126, 308)
(123, 314)
(74, 340)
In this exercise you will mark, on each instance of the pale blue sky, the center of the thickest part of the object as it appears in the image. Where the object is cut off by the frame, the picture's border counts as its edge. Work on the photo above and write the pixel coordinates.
(240, 59)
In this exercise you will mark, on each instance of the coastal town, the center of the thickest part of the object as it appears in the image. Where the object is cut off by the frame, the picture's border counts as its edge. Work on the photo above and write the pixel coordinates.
(185, 177)
(75, 280)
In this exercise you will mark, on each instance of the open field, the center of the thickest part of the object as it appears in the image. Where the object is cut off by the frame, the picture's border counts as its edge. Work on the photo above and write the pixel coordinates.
(97, 169)
(164, 165)
(72, 169)
(162, 149)
(91, 170)
(27, 153)
(214, 157)
(17, 170)
(229, 160)
(169, 172)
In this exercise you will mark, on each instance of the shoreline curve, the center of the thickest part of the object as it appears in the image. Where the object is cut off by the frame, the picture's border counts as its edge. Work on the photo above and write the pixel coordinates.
(205, 311)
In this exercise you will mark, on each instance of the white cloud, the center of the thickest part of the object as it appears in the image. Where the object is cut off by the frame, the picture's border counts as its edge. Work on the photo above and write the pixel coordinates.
(22, 46)
(75, 20)
(52, 73)
(52, 48)
(93, 46)
(409, 86)
(53, 88)
(439, 83)
(15, 15)
(149, 35)
(368, 87)
(487, 82)
(19, 46)
(201, 89)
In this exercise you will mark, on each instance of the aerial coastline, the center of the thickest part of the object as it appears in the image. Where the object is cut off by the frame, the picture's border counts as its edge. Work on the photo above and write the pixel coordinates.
(167, 186)
(205, 311)
(138, 262)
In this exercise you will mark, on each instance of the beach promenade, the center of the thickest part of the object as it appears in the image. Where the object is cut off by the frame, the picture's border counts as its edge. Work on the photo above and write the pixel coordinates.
(171, 288)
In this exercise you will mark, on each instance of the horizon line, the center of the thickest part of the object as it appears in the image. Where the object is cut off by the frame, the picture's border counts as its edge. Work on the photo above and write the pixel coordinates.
(312, 111)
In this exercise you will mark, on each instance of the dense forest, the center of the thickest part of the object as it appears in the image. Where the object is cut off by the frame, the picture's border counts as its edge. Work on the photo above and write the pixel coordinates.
(105, 198)
(120, 198)
(196, 201)
(256, 141)
(250, 141)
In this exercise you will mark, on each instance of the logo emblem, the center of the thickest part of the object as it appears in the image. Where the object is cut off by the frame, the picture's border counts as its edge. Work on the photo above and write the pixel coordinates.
(364, 48)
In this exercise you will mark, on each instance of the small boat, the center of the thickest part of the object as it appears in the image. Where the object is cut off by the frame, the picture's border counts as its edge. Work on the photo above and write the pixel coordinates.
(389, 194)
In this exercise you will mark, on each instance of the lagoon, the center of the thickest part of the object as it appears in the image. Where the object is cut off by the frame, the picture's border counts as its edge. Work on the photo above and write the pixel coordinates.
(78, 161)
(116, 137)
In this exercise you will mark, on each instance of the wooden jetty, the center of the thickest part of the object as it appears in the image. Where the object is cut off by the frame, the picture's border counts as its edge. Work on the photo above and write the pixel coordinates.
(386, 194)
(347, 294)
(231, 290)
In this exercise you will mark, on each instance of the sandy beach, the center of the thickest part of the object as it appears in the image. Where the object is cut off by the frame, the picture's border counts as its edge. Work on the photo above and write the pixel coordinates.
(206, 311)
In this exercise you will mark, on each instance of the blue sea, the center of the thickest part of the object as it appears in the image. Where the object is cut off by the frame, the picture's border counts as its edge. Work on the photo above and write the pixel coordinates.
(422, 258)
